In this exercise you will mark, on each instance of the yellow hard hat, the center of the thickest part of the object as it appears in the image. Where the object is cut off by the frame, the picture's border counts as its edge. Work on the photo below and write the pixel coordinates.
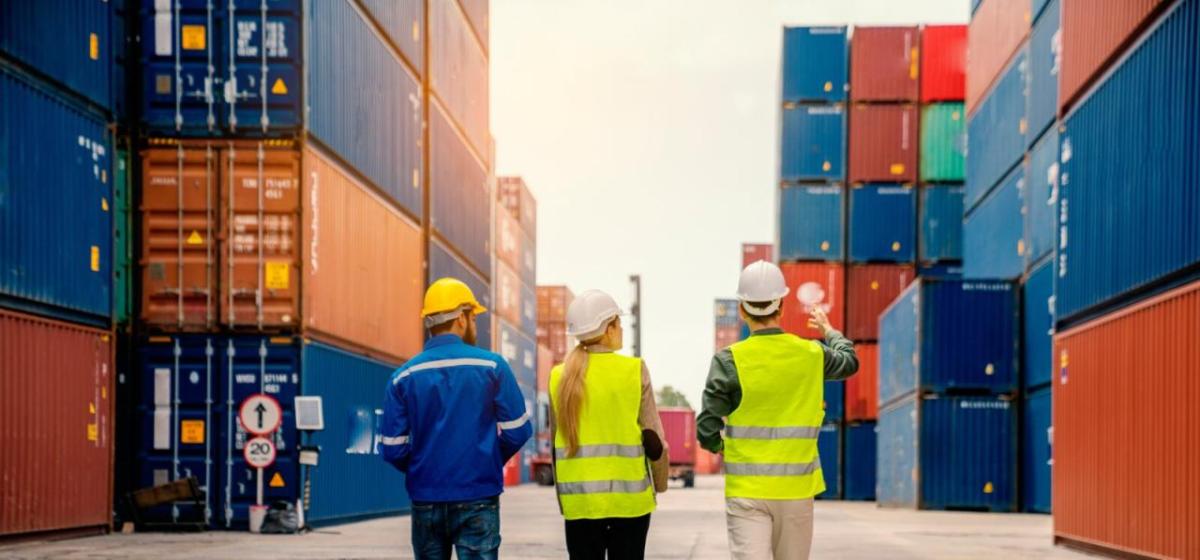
(446, 298)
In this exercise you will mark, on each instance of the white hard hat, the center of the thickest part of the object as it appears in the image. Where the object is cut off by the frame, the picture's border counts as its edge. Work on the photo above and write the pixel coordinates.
(761, 282)
(589, 314)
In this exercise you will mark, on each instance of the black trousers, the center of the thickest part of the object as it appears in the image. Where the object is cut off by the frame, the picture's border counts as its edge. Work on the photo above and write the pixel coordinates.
(619, 538)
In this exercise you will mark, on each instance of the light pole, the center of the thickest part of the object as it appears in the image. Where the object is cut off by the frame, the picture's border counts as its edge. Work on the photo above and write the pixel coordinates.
(635, 310)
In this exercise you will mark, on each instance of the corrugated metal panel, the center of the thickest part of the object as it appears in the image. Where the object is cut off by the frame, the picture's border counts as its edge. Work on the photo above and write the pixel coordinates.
(995, 33)
(883, 223)
(363, 103)
(943, 142)
(56, 425)
(996, 132)
(862, 389)
(68, 42)
(514, 195)
(553, 335)
(951, 271)
(829, 449)
(443, 264)
(1045, 58)
(460, 196)
(941, 211)
(1036, 9)
(860, 461)
(122, 251)
(508, 238)
(810, 223)
(949, 335)
(813, 285)
(869, 290)
(404, 23)
(478, 13)
(883, 143)
(458, 73)
(897, 443)
(993, 232)
(1143, 167)
(545, 362)
(754, 252)
(1093, 34)
(529, 318)
(943, 63)
(835, 401)
(528, 266)
(530, 449)
(1125, 422)
(1038, 315)
(519, 349)
(363, 264)
(884, 64)
(553, 302)
(55, 196)
(1037, 455)
(813, 143)
(508, 294)
(352, 480)
(679, 425)
(815, 64)
(1040, 199)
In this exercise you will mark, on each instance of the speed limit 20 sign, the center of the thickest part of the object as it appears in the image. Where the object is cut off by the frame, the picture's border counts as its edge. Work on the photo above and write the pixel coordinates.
(259, 452)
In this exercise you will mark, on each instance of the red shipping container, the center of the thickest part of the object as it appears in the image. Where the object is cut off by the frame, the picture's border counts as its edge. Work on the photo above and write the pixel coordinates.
(883, 143)
(679, 425)
(508, 239)
(1126, 435)
(862, 390)
(813, 285)
(553, 302)
(997, 30)
(943, 63)
(884, 64)
(1094, 34)
(508, 294)
(754, 252)
(514, 195)
(56, 426)
(553, 335)
(871, 288)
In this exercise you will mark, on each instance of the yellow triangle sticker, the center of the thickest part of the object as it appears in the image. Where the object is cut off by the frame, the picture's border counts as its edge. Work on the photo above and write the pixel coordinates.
(91, 408)
(279, 88)
(277, 481)
(987, 488)
(195, 238)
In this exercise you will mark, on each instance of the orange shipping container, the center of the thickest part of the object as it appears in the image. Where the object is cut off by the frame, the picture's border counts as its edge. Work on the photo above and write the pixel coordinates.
(995, 32)
(553, 335)
(862, 390)
(553, 302)
(508, 239)
(508, 294)
(545, 362)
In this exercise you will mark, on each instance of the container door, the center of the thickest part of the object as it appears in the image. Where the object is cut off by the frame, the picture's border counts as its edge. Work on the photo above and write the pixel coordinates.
(262, 80)
(181, 51)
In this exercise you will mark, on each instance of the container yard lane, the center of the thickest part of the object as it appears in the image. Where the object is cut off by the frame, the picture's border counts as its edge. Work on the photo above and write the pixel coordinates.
(689, 523)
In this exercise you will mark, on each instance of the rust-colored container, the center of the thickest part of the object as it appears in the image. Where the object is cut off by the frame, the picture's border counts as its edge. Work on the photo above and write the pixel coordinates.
(363, 273)
(1094, 34)
(870, 288)
(553, 335)
(1126, 436)
(883, 143)
(513, 194)
(862, 390)
(754, 252)
(813, 285)
(508, 294)
(996, 30)
(508, 239)
(56, 427)
(553, 302)
(943, 63)
(545, 362)
(884, 64)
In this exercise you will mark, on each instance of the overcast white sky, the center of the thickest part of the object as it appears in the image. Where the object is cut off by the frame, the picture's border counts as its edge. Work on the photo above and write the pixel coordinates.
(646, 129)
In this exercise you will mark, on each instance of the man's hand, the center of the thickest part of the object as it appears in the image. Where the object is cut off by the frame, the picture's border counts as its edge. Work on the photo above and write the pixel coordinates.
(817, 319)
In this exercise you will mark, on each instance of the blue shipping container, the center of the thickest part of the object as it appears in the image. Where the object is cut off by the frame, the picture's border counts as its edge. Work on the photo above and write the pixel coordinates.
(948, 453)
(1040, 199)
(71, 43)
(810, 223)
(993, 232)
(1037, 452)
(1036, 7)
(1045, 55)
(460, 197)
(835, 401)
(945, 335)
(813, 143)
(941, 212)
(951, 271)
(352, 480)
(404, 23)
(1145, 166)
(529, 317)
(529, 450)
(1038, 315)
(816, 63)
(829, 450)
(996, 131)
(528, 270)
(883, 224)
(520, 351)
(443, 264)
(56, 198)
(858, 466)
(364, 104)
(458, 73)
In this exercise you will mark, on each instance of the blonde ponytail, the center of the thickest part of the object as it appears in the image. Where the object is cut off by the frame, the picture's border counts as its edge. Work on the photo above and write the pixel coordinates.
(570, 391)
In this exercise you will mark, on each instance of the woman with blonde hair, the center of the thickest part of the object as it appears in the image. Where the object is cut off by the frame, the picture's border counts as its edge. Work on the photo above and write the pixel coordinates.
(609, 452)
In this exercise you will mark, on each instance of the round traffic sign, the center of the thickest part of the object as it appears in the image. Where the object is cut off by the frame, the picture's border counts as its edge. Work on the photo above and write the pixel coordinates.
(259, 452)
(260, 414)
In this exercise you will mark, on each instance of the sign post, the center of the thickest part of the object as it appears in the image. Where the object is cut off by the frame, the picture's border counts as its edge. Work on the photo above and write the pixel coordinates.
(261, 416)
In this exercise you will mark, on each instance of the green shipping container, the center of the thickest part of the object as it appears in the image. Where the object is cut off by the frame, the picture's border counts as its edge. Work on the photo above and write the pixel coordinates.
(943, 142)
(122, 241)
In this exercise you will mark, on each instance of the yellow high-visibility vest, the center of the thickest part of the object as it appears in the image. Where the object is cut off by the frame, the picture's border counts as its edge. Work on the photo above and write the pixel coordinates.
(771, 439)
(609, 476)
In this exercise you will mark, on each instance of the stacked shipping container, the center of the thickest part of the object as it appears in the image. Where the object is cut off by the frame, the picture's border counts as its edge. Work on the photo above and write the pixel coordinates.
(553, 345)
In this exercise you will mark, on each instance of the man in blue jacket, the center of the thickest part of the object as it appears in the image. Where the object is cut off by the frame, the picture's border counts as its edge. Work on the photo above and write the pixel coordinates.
(453, 416)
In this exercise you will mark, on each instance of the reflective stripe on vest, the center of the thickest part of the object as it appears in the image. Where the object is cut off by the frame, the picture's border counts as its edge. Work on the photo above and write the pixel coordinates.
(608, 475)
(771, 439)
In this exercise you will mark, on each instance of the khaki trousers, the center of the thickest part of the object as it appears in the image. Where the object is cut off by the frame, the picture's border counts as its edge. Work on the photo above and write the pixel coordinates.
(761, 529)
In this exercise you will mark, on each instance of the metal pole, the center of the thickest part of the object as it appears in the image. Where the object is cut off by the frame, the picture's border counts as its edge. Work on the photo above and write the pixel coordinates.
(259, 483)
(635, 309)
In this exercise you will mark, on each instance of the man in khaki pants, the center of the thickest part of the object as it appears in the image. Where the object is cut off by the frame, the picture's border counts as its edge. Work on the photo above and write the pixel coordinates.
(771, 388)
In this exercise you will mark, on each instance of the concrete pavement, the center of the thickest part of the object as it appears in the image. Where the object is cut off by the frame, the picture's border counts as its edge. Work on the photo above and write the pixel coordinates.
(688, 524)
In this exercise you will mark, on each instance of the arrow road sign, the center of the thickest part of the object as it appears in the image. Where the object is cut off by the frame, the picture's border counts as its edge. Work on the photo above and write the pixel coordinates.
(260, 414)
(259, 452)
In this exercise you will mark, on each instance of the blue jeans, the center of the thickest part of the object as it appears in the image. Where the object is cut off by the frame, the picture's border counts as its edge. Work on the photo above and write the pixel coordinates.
(473, 528)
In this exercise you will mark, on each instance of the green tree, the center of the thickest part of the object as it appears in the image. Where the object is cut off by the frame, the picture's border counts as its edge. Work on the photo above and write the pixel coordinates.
(668, 396)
